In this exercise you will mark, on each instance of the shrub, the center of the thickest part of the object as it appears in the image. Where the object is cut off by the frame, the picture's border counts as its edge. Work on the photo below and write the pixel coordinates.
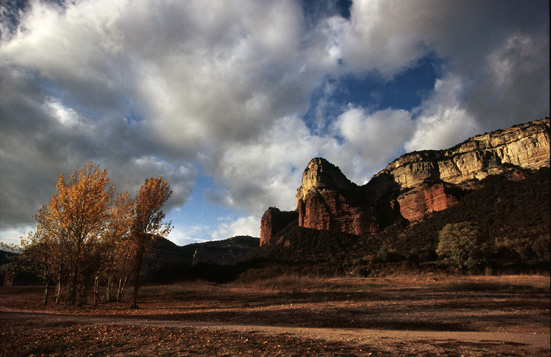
(462, 245)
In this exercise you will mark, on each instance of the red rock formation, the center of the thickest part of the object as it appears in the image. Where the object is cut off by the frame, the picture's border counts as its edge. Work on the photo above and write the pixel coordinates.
(327, 200)
(332, 211)
(427, 198)
(525, 146)
(273, 221)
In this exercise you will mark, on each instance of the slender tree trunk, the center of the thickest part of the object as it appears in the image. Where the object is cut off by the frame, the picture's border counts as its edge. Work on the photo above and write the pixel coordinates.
(122, 286)
(108, 290)
(96, 283)
(58, 292)
(124, 282)
(137, 270)
(119, 290)
(59, 277)
(74, 287)
(46, 292)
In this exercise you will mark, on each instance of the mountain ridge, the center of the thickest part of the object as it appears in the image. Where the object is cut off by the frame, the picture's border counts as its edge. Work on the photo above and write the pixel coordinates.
(413, 185)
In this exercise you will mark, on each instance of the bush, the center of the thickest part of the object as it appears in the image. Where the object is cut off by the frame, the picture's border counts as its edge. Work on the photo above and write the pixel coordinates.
(462, 245)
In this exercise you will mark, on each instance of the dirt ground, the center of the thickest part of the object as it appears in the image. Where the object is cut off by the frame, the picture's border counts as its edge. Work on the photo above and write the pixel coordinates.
(427, 316)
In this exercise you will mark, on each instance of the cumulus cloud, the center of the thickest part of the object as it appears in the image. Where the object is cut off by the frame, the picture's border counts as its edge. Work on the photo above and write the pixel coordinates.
(184, 235)
(442, 120)
(247, 226)
(244, 91)
(371, 140)
(500, 47)
(266, 169)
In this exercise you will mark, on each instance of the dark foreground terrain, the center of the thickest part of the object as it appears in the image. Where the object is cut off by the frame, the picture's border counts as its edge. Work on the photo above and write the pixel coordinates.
(293, 316)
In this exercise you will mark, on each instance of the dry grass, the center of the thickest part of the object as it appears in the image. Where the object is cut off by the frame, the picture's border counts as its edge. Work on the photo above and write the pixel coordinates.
(178, 290)
(518, 304)
(527, 284)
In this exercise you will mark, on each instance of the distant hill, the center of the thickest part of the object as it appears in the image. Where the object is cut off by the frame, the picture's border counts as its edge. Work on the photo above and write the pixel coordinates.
(169, 262)
(222, 252)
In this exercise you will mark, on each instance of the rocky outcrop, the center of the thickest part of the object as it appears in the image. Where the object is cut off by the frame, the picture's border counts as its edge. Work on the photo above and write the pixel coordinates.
(524, 146)
(327, 200)
(427, 198)
(330, 210)
(321, 175)
(412, 186)
(273, 221)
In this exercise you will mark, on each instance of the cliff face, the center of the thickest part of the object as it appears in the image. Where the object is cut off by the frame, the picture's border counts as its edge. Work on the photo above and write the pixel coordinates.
(272, 222)
(429, 197)
(321, 175)
(413, 185)
(525, 146)
(332, 211)
(327, 200)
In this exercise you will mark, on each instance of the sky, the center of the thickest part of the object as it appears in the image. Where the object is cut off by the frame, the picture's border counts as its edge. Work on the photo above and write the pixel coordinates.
(229, 100)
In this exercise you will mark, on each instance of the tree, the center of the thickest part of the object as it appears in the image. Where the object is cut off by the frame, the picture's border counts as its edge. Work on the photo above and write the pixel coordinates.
(147, 223)
(84, 237)
(42, 257)
(118, 246)
(69, 227)
(462, 244)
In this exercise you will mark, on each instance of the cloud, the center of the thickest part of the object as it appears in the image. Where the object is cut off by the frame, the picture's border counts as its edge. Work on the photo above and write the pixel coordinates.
(383, 36)
(232, 73)
(370, 140)
(248, 226)
(499, 48)
(442, 120)
(184, 235)
(244, 91)
(266, 169)
(511, 84)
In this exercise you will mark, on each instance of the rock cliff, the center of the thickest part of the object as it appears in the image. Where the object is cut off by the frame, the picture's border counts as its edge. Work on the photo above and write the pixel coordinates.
(429, 197)
(272, 222)
(327, 200)
(525, 146)
(321, 175)
(412, 186)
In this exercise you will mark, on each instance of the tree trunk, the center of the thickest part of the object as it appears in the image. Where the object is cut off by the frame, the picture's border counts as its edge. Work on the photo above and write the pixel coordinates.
(122, 286)
(74, 287)
(96, 283)
(137, 270)
(46, 293)
(108, 290)
(119, 290)
(59, 277)
(58, 292)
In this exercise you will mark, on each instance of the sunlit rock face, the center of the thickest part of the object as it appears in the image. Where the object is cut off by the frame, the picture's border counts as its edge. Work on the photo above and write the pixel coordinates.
(429, 197)
(328, 200)
(412, 186)
(525, 146)
(321, 175)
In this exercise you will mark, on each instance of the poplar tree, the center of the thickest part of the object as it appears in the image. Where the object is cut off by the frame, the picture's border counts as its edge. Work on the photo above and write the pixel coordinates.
(147, 223)
(71, 224)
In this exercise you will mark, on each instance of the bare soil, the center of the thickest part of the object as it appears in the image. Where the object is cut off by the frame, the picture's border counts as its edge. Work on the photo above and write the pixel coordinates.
(427, 316)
